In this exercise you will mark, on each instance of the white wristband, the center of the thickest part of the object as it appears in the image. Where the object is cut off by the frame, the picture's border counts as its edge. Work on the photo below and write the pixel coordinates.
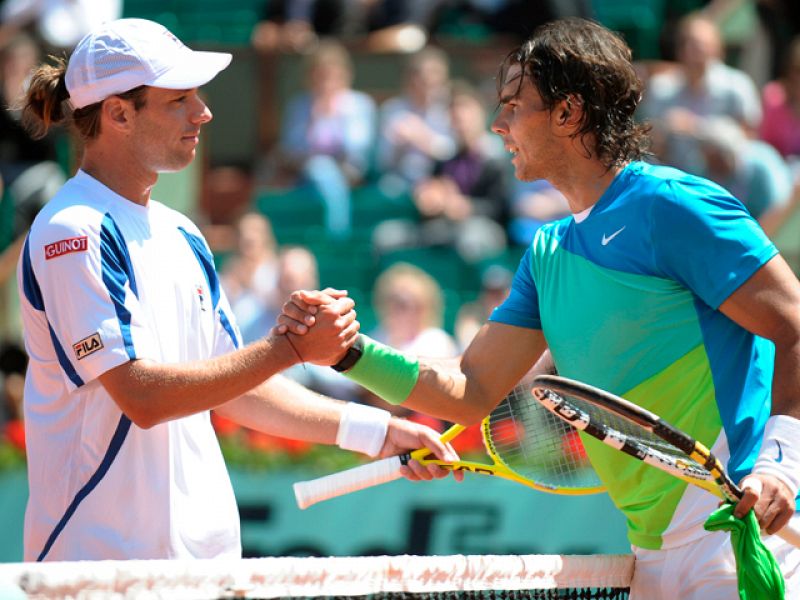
(780, 451)
(362, 428)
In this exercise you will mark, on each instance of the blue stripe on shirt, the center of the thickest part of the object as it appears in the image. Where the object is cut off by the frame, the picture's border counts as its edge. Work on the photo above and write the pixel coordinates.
(117, 439)
(30, 286)
(33, 293)
(117, 270)
(65, 363)
(206, 261)
(228, 326)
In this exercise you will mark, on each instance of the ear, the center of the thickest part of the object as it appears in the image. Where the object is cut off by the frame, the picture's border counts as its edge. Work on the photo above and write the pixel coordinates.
(569, 112)
(117, 114)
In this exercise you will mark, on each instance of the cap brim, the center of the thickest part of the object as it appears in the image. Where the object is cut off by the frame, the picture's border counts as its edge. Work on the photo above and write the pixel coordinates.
(197, 69)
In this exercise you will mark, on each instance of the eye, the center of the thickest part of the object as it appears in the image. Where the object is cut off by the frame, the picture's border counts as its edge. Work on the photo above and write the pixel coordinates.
(181, 99)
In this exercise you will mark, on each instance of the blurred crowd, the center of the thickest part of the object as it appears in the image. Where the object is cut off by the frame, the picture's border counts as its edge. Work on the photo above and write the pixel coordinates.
(722, 98)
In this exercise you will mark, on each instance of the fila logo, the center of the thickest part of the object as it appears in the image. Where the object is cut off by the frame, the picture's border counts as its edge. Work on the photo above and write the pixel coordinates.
(606, 240)
(88, 345)
(56, 249)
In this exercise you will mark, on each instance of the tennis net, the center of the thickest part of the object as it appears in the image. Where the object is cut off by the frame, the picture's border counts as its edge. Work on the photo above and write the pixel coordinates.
(511, 577)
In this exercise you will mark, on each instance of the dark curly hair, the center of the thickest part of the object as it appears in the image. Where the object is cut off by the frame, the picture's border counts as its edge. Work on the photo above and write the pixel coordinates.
(579, 60)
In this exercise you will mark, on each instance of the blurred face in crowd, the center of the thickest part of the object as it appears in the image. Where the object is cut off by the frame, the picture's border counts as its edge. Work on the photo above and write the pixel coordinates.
(329, 71)
(255, 237)
(699, 44)
(328, 78)
(297, 270)
(427, 78)
(408, 302)
(467, 117)
(404, 314)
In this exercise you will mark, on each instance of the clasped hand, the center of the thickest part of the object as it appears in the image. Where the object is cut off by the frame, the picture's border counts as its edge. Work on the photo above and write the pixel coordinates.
(329, 314)
(321, 325)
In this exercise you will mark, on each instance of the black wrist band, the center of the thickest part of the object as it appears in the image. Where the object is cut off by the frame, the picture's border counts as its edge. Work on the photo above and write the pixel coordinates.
(352, 356)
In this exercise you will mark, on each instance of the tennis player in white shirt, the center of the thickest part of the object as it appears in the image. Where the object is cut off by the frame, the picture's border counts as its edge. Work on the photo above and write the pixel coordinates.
(130, 337)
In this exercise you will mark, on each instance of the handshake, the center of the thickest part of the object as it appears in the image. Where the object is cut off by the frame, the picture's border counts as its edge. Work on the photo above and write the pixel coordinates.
(320, 325)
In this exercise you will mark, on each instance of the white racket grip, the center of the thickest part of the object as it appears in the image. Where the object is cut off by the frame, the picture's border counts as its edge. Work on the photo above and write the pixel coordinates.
(337, 484)
(791, 532)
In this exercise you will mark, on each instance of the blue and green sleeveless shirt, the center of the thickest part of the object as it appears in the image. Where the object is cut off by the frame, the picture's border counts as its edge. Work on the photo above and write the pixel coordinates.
(627, 298)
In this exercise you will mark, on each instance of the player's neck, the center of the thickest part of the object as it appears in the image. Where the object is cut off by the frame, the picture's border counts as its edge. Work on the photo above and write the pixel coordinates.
(118, 174)
(583, 183)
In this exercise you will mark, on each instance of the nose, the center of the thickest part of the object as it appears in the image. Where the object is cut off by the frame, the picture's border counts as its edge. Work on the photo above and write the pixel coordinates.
(202, 113)
(499, 125)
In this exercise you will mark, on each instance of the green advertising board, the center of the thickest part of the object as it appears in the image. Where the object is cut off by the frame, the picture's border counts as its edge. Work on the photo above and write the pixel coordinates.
(481, 515)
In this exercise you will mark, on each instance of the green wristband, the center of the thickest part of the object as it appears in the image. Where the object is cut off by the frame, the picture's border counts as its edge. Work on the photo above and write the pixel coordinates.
(384, 371)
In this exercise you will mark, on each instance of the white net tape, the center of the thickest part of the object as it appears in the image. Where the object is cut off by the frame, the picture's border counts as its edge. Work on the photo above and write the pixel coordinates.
(304, 577)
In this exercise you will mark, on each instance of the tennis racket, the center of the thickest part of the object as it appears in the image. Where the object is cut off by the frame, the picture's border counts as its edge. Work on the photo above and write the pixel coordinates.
(526, 444)
(640, 434)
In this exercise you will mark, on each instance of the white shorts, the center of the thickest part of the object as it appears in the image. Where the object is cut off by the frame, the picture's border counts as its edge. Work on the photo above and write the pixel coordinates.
(704, 570)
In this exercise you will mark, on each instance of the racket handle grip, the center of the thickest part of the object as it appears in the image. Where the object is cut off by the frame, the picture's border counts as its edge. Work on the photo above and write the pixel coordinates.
(337, 484)
(791, 533)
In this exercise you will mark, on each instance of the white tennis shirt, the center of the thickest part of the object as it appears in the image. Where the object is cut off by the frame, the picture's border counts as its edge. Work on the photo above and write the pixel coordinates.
(103, 281)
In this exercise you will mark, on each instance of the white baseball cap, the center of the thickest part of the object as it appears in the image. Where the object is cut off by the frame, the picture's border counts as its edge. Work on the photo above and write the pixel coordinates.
(126, 53)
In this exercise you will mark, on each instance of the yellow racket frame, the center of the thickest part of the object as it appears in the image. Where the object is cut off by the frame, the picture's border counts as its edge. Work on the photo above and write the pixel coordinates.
(499, 468)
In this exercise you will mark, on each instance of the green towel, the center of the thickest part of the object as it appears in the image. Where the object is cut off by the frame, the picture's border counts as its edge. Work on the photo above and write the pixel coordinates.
(759, 575)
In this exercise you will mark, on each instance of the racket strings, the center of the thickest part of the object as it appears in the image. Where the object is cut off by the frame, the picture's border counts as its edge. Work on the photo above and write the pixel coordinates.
(639, 439)
(536, 444)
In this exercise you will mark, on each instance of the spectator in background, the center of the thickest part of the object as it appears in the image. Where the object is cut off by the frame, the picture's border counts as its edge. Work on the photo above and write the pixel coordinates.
(464, 203)
(751, 170)
(250, 277)
(415, 128)
(409, 305)
(701, 86)
(781, 124)
(327, 134)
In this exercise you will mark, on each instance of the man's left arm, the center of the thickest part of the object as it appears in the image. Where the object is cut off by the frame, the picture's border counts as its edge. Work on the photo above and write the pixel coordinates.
(768, 305)
(284, 408)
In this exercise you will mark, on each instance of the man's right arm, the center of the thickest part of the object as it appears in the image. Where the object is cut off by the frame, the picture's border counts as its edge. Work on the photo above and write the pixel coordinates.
(467, 390)
(150, 393)
(459, 390)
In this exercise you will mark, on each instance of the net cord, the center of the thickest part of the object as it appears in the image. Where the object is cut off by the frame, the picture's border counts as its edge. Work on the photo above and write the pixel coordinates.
(308, 577)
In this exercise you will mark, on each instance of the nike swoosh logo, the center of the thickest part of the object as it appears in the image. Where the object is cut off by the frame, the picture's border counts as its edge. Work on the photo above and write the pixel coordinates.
(780, 452)
(606, 240)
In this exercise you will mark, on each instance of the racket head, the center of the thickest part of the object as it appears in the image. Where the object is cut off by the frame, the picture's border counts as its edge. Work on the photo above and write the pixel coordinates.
(635, 431)
(527, 440)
